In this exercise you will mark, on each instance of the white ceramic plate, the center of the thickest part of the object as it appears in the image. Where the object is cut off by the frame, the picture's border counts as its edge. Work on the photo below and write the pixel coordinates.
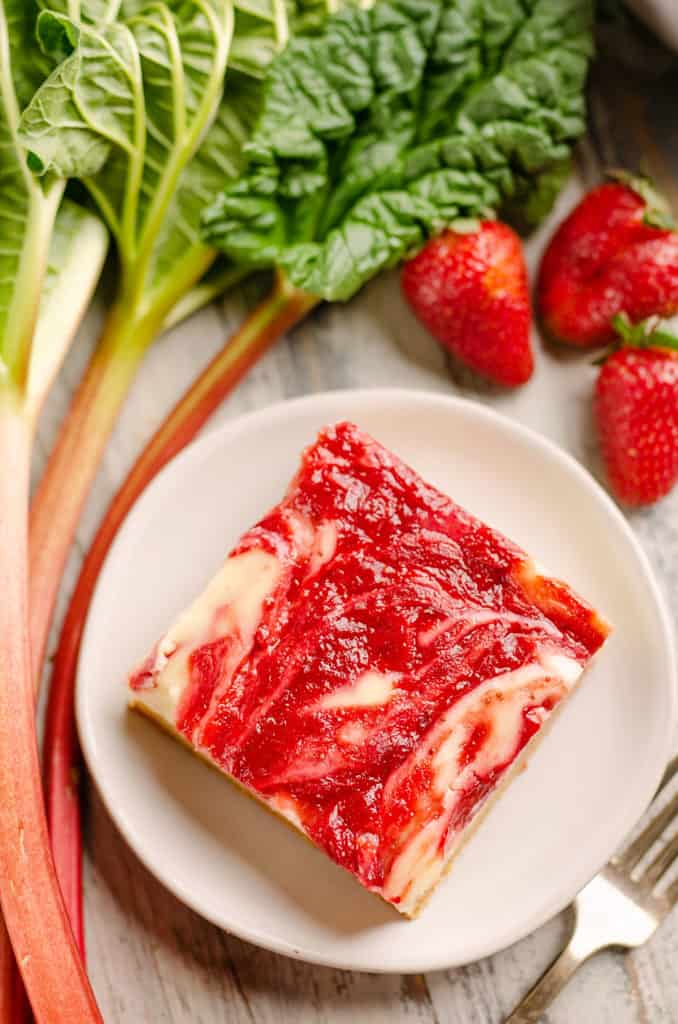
(559, 822)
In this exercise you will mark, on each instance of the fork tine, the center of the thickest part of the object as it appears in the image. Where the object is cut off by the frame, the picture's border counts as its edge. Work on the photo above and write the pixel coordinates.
(661, 863)
(639, 847)
(671, 770)
(672, 893)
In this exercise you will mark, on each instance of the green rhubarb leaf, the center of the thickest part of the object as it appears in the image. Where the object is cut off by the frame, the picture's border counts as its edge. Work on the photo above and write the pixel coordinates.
(179, 244)
(164, 62)
(156, 156)
(96, 12)
(153, 158)
(256, 39)
(27, 210)
(24, 60)
(80, 131)
(397, 121)
(536, 197)
(263, 28)
(31, 63)
(127, 151)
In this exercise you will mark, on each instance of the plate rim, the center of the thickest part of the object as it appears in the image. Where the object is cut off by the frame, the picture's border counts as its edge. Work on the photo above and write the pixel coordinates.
(220, 435)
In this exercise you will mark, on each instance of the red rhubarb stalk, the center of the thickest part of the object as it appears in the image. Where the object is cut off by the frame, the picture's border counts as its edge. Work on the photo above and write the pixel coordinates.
(75, 459)
(278, 313)
(14, 1007)
(6, 974)
(32, 905)
(56, 508)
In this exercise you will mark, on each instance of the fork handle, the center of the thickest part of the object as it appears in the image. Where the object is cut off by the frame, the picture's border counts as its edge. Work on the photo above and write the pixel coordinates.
(554, 979)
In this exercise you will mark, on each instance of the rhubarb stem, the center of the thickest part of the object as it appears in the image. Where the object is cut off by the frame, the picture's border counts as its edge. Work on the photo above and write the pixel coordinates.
(6, 974)
(71, 468)
(278, 313)
(130, 328)
(283, 308)
(32, 905)
(56, 508)
(210, 288)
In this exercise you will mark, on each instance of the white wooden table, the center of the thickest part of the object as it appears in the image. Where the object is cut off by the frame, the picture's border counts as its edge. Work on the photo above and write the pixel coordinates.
(152, 960)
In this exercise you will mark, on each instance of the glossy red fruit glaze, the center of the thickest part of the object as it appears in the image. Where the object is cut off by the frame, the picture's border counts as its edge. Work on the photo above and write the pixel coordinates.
(410, 587)
(471, 292)
(636, 411)
(603, 260)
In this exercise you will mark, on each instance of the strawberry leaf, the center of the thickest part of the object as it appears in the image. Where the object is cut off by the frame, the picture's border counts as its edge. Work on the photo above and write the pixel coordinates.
(651, 333)
(657, 210)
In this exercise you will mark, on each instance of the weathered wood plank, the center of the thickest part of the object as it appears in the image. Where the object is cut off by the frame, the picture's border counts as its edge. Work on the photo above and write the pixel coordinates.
(153, 960)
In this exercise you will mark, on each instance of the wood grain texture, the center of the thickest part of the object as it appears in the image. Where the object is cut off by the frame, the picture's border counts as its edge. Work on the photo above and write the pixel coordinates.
(151, 959)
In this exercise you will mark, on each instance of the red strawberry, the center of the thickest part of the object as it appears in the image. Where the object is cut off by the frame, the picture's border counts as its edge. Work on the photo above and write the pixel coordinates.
(616, 252)
(636, 412)
(471, 292)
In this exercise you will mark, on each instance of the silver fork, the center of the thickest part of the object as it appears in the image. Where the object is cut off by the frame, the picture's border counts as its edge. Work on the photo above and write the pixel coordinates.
(617, 908)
